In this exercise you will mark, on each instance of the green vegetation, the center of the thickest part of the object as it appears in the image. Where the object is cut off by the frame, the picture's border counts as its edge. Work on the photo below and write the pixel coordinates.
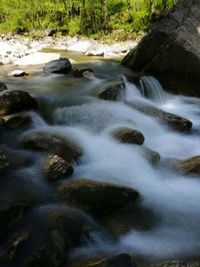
(82, 17)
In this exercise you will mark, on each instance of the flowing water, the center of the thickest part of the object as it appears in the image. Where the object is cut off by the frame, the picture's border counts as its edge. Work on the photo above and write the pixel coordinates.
(71, 109)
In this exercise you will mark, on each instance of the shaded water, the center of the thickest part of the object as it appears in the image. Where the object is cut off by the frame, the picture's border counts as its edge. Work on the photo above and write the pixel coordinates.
(71, 109)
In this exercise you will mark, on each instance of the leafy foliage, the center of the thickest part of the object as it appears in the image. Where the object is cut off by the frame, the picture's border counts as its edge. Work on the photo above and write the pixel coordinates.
(86, 17)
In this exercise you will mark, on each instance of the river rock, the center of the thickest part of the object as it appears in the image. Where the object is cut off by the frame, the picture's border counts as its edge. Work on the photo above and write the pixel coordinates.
(61, 66)
(18, 73)
(130, 218)
(128, 135)
(17, 121)
(82, 73)
(175, 122)
(3, 87)
(170, 52)
(56, 167)
(41, 141)
(17, 195)
(95, 52)
(134, 78)
(12, 101)
(113, 91)
(51, 32)
(47, 235)
(4, 164)
(121, 260)
(153, 157)
(97, 198)
(186, 166)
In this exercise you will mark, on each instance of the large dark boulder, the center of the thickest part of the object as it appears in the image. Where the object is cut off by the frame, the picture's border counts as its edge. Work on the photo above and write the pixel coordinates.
(96, 197)
(12, 101)
(62, 66)
(171, 51)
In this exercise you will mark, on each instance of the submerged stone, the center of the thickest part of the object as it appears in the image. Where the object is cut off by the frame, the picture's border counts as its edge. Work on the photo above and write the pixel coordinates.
(174, 121)
(82, 73)
(41, 141)
(153, 157)
(9, 217)
(112, 91)
(130, 218)
(46, 236)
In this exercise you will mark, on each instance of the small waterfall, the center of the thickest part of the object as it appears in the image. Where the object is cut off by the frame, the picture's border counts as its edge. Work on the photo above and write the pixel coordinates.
(131, 90)
(151, 88)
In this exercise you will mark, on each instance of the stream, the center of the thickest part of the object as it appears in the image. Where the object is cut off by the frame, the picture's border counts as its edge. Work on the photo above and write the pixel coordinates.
(70, 107)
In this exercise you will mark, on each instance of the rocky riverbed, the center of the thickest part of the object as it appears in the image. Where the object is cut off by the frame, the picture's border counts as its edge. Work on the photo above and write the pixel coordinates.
(20, 50)
(95, 165)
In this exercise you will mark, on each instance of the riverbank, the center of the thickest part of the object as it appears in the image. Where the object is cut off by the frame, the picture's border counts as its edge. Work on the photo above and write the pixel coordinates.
(19, 50)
